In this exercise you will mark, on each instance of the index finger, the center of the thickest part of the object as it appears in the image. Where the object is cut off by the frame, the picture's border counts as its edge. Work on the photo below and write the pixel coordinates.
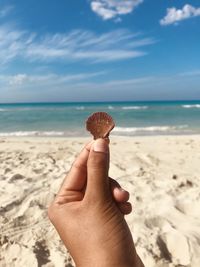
(77, 176)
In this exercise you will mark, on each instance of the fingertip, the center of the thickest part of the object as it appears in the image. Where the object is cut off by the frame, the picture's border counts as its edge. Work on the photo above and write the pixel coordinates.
(107, 140)
(89, 145)
(101, 145)
(120, 195)
(125, 208)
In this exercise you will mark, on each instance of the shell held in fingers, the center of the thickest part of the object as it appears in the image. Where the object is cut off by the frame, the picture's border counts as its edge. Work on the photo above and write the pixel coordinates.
(100, 124)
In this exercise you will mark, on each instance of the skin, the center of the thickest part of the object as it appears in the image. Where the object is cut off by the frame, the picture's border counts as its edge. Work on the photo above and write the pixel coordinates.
(88, 213)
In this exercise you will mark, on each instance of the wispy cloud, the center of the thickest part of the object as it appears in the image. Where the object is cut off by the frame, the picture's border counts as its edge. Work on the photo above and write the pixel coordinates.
(5, 11)
(109, 9)
(133, 82)
(85, 45)
(80, 87)
(12, 43)
(175, 15)
(190, 73)
(77, 45)
(24, 80)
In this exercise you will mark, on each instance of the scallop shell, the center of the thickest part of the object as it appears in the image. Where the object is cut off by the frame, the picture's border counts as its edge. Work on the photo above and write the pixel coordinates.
(100, 124)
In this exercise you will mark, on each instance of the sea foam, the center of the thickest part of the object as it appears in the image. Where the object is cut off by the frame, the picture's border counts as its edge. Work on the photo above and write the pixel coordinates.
(31, 133)
(149, 129)
(80, 108)
(135, 107)
(191, 106)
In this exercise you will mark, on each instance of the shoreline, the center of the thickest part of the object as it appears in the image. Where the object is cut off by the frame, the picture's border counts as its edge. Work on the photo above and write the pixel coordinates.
(89, 137)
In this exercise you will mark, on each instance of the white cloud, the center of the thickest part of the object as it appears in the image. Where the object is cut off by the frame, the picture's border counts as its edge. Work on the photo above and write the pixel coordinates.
(66, 47)
(109, 9)
(175, 15)
(18, 79)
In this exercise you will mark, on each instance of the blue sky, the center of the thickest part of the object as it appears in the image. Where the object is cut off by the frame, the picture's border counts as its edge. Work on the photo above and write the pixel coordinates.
(99, 50)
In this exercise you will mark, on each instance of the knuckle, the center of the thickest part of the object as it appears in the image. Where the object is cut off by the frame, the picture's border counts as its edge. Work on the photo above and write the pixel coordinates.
(79, 166)
(114, 183)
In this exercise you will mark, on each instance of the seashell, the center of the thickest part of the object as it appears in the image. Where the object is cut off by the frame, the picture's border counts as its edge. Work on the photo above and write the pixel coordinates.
(100, 124)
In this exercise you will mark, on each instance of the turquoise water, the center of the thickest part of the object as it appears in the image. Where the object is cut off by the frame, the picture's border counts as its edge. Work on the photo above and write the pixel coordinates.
(131, 118)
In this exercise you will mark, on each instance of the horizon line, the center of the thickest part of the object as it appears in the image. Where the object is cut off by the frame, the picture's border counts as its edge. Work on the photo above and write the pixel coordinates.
(100, 102)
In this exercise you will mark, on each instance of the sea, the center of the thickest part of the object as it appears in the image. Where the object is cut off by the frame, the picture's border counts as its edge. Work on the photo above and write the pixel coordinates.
(131, 118)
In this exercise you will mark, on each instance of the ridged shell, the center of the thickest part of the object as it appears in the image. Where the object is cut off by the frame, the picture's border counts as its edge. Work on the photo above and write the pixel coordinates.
(100, 124)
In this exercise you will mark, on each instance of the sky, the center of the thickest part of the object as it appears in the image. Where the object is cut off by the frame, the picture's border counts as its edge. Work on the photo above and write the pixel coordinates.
(99, 50)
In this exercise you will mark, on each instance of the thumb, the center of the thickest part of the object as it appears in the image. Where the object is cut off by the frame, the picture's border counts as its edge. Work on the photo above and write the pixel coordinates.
(97, 170)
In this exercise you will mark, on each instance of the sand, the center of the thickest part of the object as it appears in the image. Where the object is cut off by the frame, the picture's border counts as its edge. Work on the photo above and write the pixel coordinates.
(161, 173)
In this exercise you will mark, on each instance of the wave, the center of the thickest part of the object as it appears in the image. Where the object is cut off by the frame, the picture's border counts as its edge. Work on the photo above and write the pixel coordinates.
(32, 133)
(135, 107)
(80, 108)
(191, 106)
(16, 109)
(110, 107)
(149, 129)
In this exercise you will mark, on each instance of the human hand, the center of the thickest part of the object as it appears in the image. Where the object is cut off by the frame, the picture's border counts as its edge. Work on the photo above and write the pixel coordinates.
(88, 213)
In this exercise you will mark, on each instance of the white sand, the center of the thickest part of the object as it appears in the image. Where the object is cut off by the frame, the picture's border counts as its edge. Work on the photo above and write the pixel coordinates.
(162, 175)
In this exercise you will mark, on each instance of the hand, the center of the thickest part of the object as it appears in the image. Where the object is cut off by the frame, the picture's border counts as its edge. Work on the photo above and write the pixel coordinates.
(89, 221)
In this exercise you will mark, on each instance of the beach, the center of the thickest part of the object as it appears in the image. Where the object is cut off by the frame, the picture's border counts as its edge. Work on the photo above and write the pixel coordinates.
(162, 174)
(72, 71)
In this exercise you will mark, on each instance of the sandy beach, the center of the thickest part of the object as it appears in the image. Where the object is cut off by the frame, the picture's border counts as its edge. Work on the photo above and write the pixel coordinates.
(162, 174)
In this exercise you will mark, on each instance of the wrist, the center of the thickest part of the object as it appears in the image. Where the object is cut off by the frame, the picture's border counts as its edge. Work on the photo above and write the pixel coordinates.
(109, 260)
(119, 253)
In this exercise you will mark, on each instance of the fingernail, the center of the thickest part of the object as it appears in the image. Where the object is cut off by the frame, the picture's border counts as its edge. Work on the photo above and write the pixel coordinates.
(122, 190)
(100, 145)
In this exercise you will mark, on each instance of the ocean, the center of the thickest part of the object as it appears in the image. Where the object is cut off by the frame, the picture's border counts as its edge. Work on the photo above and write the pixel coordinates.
(131, 118)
